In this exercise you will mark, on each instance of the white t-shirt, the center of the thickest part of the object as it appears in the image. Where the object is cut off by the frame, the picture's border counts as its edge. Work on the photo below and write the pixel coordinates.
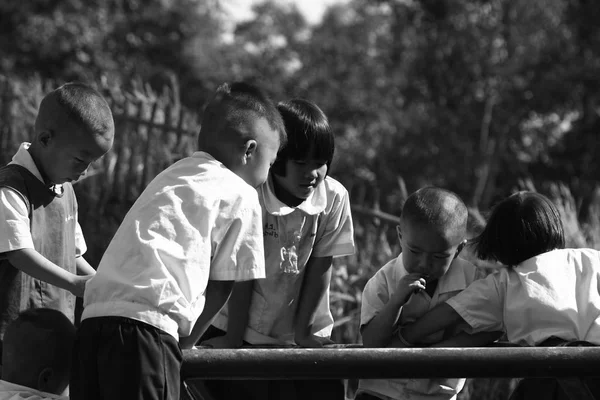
(196, 221)
(12, 391)
(377, 293)
(554, 294)
(15, 228)
(320, 226)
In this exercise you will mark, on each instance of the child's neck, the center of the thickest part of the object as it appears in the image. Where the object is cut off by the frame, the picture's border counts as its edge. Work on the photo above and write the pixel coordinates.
(284, 196)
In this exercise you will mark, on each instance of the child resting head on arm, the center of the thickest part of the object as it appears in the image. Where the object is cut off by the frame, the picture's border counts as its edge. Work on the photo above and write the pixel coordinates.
(36, 358)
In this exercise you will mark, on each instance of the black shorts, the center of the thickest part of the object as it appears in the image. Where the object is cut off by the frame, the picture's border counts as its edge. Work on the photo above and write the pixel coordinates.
(121, 358)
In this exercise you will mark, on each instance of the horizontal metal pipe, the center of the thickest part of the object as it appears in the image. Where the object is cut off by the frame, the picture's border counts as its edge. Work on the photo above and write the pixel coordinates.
(298, 363)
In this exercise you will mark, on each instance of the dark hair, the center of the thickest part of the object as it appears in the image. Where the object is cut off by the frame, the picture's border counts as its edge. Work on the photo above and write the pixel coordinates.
(84, 105)
(230, 106)
(436, 207)
(308, 131)
(521, 226)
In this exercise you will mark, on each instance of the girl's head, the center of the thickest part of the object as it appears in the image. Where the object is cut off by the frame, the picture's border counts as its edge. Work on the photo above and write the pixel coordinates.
(521, 226)
(302, 164)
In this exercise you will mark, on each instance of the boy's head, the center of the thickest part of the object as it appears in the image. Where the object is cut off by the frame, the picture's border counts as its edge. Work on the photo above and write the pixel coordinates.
(432, 231)
(37, 350)
(306, 158)
(73, 128)
(242, 128)
(521, 226)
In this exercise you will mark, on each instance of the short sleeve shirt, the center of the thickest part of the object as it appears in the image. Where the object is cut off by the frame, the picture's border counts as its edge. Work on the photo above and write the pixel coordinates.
(196, 221)
(376, 294)
(321, 226)
(554, 294)
(15, 230)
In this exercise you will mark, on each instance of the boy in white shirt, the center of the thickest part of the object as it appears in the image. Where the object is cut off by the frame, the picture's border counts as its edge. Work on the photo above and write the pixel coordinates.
(37, 356)
(432, 232)
(193, 232)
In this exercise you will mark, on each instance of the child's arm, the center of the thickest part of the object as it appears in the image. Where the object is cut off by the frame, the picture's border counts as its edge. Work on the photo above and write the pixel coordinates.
(464, 339)
(440, 317)
(314, 286)
(217, 293)
(379, 331)
(239, 311)
(83, 267)
(34, 264)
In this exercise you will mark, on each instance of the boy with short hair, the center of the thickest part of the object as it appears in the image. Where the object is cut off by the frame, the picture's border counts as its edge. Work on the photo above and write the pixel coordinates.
(41, 243)
(37, 356)
(432, 232)
(193, 232)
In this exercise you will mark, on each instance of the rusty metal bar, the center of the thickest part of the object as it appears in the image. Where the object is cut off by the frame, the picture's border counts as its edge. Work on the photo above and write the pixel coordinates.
(336, 362)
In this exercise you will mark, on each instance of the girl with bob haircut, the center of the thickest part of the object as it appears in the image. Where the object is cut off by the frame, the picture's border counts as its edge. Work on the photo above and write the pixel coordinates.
(545, 295)
(307, 222)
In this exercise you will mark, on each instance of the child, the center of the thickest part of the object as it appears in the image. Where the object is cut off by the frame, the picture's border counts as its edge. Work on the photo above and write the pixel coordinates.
(544, 292)
(432, 232)
(170, 267)
(37, 356)
(306, 222)
(41, 243)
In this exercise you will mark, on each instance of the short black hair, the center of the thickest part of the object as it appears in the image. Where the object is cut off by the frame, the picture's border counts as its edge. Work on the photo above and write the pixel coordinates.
(438, 208)
(82, 104)
(523, 225)
(308, 131)
(230, 106)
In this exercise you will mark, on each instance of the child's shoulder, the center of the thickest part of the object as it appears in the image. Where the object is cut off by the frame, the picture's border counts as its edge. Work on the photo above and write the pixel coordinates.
(332, 185)
(467, 268)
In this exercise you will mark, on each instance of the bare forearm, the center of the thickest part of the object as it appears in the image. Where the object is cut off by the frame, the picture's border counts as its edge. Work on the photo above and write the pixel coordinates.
(83, 267)
(34, 264)
(440, 317)
(464, 339)
(217, 293)
(239, 312)
(379, 331)
(316, 281)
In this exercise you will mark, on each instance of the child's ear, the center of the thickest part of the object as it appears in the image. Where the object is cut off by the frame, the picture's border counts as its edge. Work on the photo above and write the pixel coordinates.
(44, 137)
(460, 247)
(399, 233)
(45, 380)
(249, 149)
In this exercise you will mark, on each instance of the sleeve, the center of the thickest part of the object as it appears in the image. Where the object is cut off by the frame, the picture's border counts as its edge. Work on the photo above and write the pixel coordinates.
(80, 245)
(375, 296)
(481, 304)
(337, 235)
(15, 231)
(239, 255)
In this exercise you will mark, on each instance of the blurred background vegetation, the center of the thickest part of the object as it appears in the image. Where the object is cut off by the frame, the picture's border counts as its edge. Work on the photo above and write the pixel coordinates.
(481, 97)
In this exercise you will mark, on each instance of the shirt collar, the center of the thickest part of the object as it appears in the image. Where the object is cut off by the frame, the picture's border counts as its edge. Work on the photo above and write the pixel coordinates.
(452, 281)
(23, 158)
(6, 386)
(313, 205)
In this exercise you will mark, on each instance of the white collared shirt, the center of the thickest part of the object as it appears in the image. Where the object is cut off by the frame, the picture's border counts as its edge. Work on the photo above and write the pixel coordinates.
(12, 391)
(553, 294)
(196, 221)
(321, 226)
(15, 229)
(377, 293)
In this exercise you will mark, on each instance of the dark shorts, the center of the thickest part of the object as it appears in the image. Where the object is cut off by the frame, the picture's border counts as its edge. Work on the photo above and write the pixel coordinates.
(293, 389)
(120, 358)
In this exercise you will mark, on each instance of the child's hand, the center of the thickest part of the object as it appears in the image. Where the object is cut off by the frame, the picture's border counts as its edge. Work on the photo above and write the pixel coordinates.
(312, 341)
(408, 285)
(78, 284)
(221, 342)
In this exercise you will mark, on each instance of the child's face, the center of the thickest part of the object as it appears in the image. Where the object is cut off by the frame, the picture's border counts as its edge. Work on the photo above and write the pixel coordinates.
(427, 251)
(256, 169)
(68, 154)
(302, 177)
